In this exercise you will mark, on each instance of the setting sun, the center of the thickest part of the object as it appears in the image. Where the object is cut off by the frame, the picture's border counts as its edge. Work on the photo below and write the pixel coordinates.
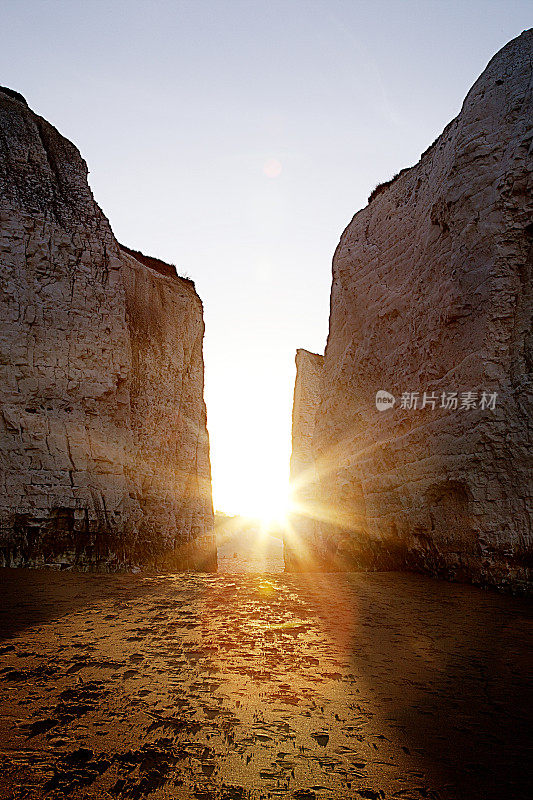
(258, 495)
(250, 434)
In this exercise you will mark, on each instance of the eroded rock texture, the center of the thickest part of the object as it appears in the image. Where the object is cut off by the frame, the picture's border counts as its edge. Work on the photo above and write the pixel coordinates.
(168, 416)
(104, 448)
(302, 540)
(431, 293)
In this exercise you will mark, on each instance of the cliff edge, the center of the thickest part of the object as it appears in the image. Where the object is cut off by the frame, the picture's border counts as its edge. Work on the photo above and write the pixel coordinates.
(104, 447)
(431, 304)
(302, 539)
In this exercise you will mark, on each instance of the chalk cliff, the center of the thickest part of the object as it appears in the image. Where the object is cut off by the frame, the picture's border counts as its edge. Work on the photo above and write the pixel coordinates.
(302, 539)
(431, 293)
(104, 447)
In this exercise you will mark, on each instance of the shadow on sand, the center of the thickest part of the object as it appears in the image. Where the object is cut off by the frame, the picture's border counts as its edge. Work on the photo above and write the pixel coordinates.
(34, 597)
(448, 668)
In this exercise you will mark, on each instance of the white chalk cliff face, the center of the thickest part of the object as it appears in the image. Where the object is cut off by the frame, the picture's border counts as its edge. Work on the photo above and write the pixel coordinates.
(104, 448)
(302, 539)
(431, 293)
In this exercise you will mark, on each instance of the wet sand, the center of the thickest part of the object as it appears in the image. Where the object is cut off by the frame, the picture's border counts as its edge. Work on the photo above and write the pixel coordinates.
(228, 686)
(256, 552)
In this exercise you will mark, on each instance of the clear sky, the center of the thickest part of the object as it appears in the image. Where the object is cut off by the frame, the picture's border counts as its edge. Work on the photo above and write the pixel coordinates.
(236, 140)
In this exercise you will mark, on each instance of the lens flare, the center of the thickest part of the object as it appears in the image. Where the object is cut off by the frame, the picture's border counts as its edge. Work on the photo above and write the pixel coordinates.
(272, 168)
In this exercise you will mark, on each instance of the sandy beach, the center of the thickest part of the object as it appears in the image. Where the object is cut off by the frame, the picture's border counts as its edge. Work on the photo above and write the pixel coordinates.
(238, 685)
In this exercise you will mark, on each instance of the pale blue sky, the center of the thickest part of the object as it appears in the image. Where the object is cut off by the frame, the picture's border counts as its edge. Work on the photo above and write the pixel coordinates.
(177, 106)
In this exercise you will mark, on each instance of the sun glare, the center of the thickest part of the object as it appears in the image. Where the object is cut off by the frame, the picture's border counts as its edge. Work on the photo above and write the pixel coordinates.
(270, 511)
(256, 496)
(250, 438)
(273, 513)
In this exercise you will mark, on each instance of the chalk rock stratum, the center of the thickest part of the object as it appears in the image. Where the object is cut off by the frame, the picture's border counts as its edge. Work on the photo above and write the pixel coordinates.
(431, 294)
(104, 446)
(305, 530)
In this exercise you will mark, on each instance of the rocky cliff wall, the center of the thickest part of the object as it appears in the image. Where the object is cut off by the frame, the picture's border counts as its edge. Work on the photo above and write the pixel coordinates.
(168, 415)
(79, 472)
(431, 293)
(302, 539)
